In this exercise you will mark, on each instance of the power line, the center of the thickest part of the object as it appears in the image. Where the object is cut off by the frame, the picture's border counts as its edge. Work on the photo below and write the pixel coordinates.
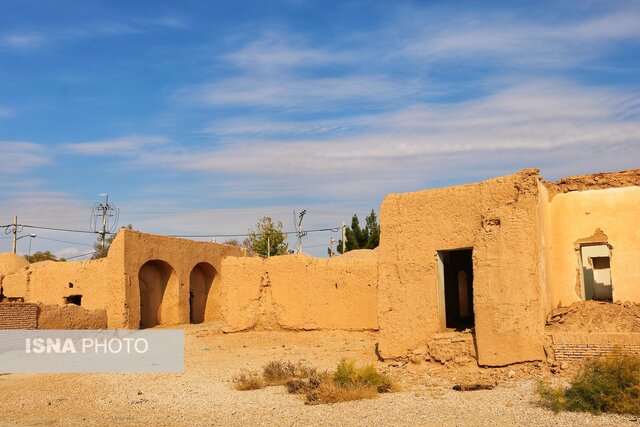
(80, 256)
(58, 229)
(333, 230)
(65, 241)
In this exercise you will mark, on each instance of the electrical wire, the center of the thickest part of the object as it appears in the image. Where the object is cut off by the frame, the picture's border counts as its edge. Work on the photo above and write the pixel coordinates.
(80, 256)
(333, 230)
(60, 229)
(64, 241)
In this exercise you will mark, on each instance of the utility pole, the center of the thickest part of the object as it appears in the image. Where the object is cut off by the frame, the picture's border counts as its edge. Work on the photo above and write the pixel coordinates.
(331, 242)
(344, 237)
(268, 247)
(299, 232)
(15, 232)
(104, 211)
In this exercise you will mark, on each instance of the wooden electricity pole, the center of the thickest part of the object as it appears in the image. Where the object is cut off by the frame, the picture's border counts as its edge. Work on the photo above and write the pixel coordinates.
(15, 232)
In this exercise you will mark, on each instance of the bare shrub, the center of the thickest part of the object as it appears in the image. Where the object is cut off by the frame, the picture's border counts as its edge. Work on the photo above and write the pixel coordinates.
(347, 382)
(248, 380)
(331, 392)
(278, 372)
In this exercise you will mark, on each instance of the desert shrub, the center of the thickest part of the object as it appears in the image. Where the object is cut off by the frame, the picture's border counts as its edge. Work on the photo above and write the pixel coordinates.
(278, 372)
(347, 382)
(307, 385)
(551, 397)
(248, 380)
(329, 391)
(603, 384)
(347, 374)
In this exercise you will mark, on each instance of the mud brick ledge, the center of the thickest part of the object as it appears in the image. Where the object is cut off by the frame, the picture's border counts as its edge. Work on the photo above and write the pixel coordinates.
(577, 346)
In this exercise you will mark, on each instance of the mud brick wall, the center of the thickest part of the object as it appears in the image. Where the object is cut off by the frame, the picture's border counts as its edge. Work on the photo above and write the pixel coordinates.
(18, 315)
(580, 346)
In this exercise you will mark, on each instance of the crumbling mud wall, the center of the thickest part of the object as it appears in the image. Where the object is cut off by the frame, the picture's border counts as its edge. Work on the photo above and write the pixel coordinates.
(596, 181)
(11, 263)
(144, 281)
(509, 282)
(498, 219)
(298, 292)
(18, 315)
(609, 216)
(71, 316)
(92, 284)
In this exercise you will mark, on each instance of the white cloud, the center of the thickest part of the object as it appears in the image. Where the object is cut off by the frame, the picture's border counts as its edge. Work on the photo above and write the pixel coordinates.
(310, 94)
(69, 252)
(275, 52)
(544, 123)
(125, 146)
(21, 41)
(520, 41)
(29, 40)
(20, 157)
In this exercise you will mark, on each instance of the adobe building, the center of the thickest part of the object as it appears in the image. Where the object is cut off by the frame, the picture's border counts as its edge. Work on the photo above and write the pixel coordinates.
(486, 262)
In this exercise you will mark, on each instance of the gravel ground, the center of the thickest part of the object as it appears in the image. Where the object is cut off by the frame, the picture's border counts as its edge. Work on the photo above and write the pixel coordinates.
(203, 395)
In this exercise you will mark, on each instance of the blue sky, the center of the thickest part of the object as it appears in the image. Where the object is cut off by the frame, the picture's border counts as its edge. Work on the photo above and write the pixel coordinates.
(199, 117)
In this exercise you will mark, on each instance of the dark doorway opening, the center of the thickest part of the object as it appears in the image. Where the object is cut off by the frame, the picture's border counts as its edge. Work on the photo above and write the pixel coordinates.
(200, 282)
(73, 299)
(457, 280)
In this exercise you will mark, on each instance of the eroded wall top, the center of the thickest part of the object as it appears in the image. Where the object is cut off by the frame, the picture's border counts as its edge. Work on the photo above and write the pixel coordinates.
(596, 181)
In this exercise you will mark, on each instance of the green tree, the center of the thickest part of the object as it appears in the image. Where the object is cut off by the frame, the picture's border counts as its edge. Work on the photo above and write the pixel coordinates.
(361, 238)
(99, 251)
(267, 232)
(42, 256)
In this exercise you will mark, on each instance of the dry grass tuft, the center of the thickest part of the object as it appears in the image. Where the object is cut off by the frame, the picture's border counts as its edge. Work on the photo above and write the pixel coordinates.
(278, 373)
(248, 380)
(347, 382)
(348, 375)
(330, 392)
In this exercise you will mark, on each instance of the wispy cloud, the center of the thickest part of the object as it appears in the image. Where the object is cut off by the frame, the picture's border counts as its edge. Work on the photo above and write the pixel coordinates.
(6, 113)
(21, 157)
(24, 40)
(275, 52)
(520, 41)
(21, 40)
(284, 70)
(312, 94)
(126, 146)
(543, 123)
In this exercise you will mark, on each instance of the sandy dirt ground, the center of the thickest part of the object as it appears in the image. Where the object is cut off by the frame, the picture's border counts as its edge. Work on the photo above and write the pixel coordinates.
(203, 394)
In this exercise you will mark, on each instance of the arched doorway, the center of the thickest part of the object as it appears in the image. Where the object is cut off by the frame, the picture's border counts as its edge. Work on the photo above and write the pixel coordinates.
(154, 278)
(200, 282)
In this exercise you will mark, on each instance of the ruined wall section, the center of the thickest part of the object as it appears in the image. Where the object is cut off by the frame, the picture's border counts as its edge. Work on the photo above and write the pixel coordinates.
(596, 181)
(95, 282)
(499, 220)
(508, 278)
(18, 315)
(70, 316)
(607, 215)
(298, 292)
(413, 227)
(546, 243)
(180, 257)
